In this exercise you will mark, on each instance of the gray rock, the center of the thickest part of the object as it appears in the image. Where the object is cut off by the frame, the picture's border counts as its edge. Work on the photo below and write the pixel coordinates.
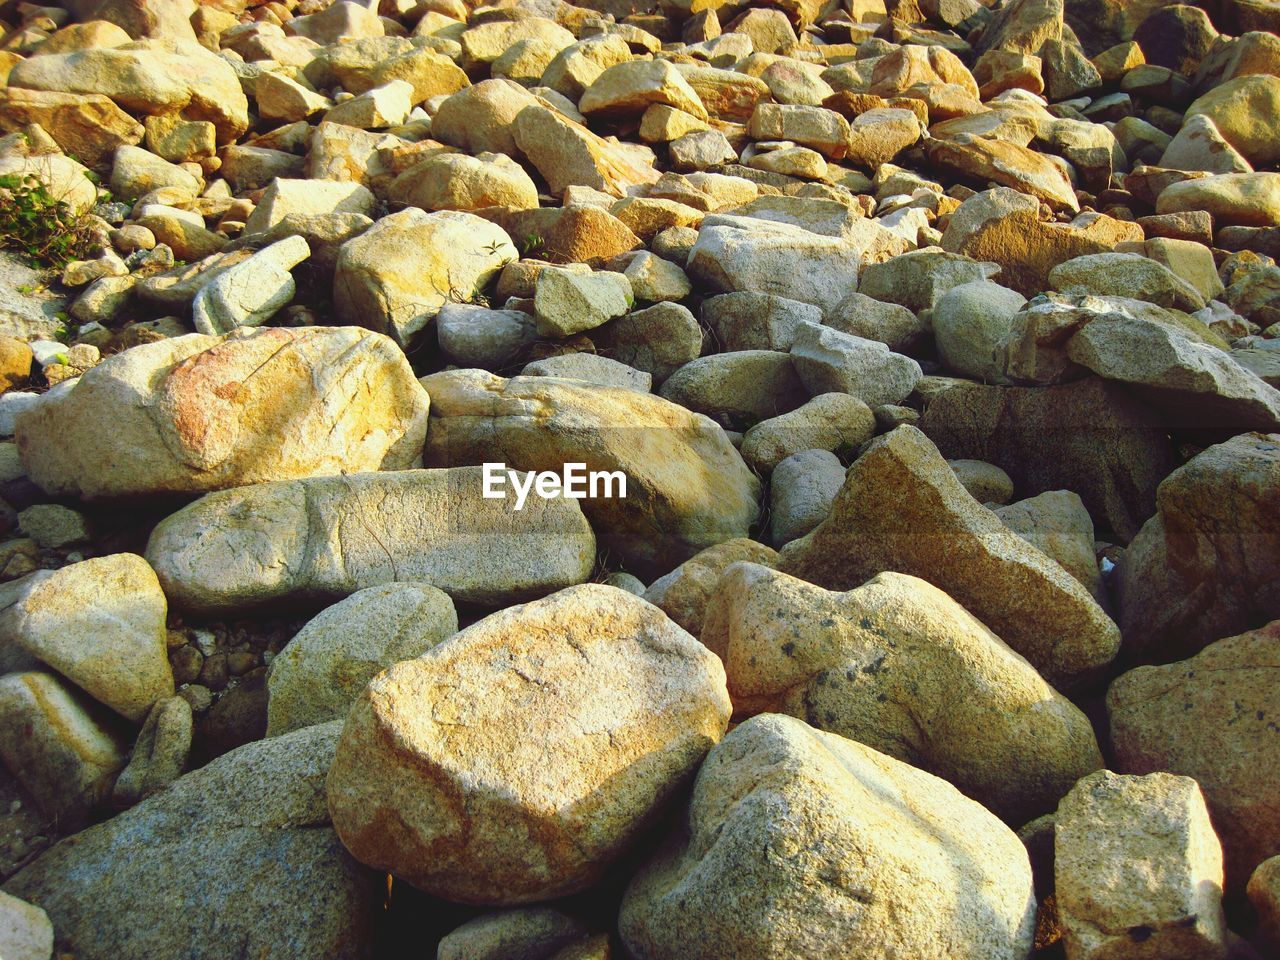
(475, 336)
(250, 293)
(749, 385)
(1057, 524)
(892, 324)
(757, 321)
(830, 421)
(25, 931)
(658, 340)
(568, 302)
(198, 866)
(828, 361)
(591, 368)
(159, 754)
(918, 280)
(971, 323)
(532, 933)
(801, 491)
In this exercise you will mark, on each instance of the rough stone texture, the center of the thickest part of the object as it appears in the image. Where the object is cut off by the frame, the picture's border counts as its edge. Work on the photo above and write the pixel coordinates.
(530, 933)
(801, 843)
(200, 864)
(830, 421)
(328, 663)
(159, 754)
(1211, 718)
(684, 592)
(325, 537)
(801, 491)
(899, 666)
(250, 293)
(1264, 895)
(1138, 869)
(687, 487)
(745, 386)
(1198, 570)
(1088, 436)
(25, 931)
(1057, 524)
(395, 277)
(101, 624)
(516, 761)
(903, 509)
(828, 361)
(197, 413)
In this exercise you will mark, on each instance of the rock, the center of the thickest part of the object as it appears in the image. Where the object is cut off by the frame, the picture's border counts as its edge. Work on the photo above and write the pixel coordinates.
(246, 832)
(742, 385)
(52, 526)
(568, 302)
(1057, 524)
(376, 108)
(159, 754)
(817, 127)
(194, 410)
(473, 335)
(1208, 718)
(1177, 37)
(899, 666)
(1199, 145)
(328, 663)
(148, 81)
(455, 181)
(687, 487)
(250, 293)
(285, 100)
(286, 198)
(1089, 436)
(1242, 199)
(395, 277)
(1215, 517)
(592, 369)
(1264, 895)
(658, 340)
(870, 825)
(101, 624)
(757, 321)
(630, 87)
(62, 748)
(1067, 71)
(481, 118)
(90, 126)
(531, 933)
(327, 537)
(568, 154)
(700, 150)
(180, 141)
(25, 931)
(15, 363)
(1006, 164)
(1195, 384)
(655, 280)
(919, 279)
(986, 482)
(828, 361)
(971, 324)
(1246, 110)
(830, 421)
(901, 486)
(802, 489)
(683, 593)
(1138, 854)
(877, 136)
(1126, 275)
(532, 816)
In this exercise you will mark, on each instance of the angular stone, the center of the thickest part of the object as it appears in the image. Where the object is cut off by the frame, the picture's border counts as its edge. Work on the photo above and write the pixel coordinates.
(742, 385)
(899, 666)
(481, 772)
(566, 302)
(159, 754)
(1246, 110)
(683, 593)
(480, 118)
(903, 509)
(876, 834)
(328, 663)
(455, 181)
(193, 413)
(658, 340)
(746, 320)
(1233, 199)
(1138, 854)
(568, 154)
(830, 421)
(1089, 436)
(250, 293)
(687, 487)
(828, 361)
(101, 624)
(285, 198)
(591, 368)
(630, 87)
(1199, 145)
(25, 931)
(1198, 568)
(817, 127)
(1126, 275)
(1007, 164)
(325, 537)
(89, 126)
(1057, 524)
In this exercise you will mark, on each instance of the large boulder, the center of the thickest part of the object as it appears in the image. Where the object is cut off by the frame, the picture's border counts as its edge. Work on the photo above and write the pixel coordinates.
(201, 864)
(1212, 718)
(395, 277)
(89, 126)
(902, 508)
(687, 488)
(898, 665)
(802, 844)
(326, 537)
(198, 413)
(185, 79)
(517, 760)
(1200, 569)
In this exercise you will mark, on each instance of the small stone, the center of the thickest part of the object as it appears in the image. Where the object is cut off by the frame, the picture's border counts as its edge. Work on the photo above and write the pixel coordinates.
(828, 361)
(252, 292)
(802, 489)
(985, 482)
(25, 930)
(830, 421)
(683, 593)
(159, 754)
(52, 525)
(567, 302)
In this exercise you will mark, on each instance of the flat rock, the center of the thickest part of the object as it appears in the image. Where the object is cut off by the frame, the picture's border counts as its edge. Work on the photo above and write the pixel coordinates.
(549, 786)
(323, 537)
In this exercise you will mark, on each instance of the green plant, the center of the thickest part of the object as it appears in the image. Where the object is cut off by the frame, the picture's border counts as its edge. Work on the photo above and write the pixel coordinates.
(41, 227)
(533, 243)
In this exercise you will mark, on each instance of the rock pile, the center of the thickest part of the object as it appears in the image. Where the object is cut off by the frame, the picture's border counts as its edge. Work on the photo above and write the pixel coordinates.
(645, 478)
